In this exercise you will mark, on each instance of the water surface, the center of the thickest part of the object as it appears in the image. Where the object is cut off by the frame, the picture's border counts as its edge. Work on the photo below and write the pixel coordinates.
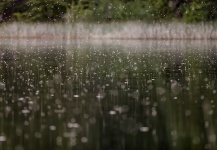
(113, 95)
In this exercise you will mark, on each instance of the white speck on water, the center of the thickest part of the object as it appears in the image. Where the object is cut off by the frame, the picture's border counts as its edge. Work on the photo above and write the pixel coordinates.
(149, 81)
(123, 86)
(72, 125)
(8, 108)
(37, 92)
(25, 111)
(41, 82)
(2, 138)
(84, 140)
(52, 128)
(42, 114)
(214, 91)
(76, 96)
(99, 96)
(144, 129)
(2, 85)
(112, 112)
(30, 102)
(65, 95)
(202, 97)
(21, 99)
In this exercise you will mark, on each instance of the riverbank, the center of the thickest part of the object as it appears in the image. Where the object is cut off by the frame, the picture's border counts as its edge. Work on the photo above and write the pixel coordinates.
(123, 30)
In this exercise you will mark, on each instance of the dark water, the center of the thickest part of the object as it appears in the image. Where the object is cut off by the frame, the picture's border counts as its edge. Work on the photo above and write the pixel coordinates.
(116, 96)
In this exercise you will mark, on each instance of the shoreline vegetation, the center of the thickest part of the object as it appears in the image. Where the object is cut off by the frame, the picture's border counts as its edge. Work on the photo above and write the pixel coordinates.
(109, 19)
(130, 30)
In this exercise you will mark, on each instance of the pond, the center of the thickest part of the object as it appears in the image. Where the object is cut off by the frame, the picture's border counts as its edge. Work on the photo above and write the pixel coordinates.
(111, 95)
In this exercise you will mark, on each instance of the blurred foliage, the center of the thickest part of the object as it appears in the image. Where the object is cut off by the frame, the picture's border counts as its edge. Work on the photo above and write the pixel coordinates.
(106, 10)
(198, 11)
(41, 10)
(80, 10)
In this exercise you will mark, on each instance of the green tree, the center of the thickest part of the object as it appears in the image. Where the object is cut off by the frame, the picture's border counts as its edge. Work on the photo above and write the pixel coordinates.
(42, 10)
(102, 10)
(8, 7)
(198, 11)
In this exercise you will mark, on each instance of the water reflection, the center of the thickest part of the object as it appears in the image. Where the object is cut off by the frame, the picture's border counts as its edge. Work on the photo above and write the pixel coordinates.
(108, 96)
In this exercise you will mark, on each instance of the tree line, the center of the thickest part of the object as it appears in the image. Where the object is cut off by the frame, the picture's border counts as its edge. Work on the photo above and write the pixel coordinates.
(107, 10)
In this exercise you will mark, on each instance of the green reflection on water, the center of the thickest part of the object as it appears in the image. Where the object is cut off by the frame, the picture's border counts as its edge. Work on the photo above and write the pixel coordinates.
(108, 96)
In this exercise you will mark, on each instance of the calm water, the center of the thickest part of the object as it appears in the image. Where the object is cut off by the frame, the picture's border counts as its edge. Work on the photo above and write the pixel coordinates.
(128, 95)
